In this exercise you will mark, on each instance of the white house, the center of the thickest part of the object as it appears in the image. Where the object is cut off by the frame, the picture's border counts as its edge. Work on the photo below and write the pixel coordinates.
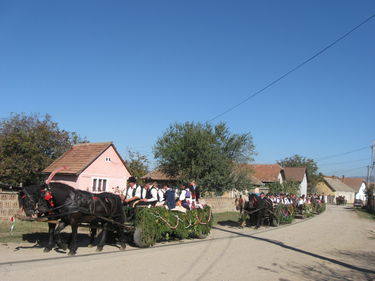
(358, 185)
(297, 174)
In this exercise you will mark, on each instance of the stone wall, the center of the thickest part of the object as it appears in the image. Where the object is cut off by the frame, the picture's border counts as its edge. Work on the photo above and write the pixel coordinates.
(220, 204)
(8, 204)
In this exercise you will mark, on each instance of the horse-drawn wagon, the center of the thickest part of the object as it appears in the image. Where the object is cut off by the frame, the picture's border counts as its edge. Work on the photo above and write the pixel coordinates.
(61, 205)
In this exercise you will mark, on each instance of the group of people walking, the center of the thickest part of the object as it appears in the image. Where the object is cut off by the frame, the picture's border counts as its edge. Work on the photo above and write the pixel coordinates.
(151, 194)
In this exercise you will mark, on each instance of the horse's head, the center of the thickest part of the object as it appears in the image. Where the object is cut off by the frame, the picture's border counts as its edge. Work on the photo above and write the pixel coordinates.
(253, 200)
(28, 200)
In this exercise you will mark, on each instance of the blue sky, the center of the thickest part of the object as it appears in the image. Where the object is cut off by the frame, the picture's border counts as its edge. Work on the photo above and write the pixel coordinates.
(123, 71)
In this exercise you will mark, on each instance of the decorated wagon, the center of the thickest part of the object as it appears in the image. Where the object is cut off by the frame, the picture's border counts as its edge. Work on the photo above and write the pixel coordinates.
(155, 224)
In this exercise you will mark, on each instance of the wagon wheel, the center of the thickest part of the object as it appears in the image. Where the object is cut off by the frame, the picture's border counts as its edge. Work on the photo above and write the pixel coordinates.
(139, 239)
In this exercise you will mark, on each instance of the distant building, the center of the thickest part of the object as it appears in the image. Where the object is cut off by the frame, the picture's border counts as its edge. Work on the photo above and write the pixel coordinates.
(94, 167)
(334, 187)
(160, 177)
(358, 185)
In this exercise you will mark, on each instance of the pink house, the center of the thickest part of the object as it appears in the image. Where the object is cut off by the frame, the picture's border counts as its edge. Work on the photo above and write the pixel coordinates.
(94, 167)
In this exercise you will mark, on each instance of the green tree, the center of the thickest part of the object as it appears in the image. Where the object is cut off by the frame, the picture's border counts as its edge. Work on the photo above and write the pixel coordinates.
(311, 169)
(28, 144)
(205, 153)
(289, 187)
(137, 163)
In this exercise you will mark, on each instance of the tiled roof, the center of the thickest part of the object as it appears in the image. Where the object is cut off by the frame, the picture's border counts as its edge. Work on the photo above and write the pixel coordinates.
(265, 172)
(157, 175)
(78, 158)
(354, 183)
(337, 185)
(294, 173)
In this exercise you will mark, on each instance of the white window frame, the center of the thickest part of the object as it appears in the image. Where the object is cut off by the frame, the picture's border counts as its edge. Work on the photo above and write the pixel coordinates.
(99, 182)
(108, 159)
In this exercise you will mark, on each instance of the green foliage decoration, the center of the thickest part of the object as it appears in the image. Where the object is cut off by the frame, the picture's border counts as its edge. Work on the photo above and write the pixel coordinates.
(160, 224)
(284, 213)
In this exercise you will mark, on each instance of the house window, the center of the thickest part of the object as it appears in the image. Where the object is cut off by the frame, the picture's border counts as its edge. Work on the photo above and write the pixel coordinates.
(108, 159)
(99, 185)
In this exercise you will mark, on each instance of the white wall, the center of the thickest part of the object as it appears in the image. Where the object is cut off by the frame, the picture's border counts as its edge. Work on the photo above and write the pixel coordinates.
(303, 186)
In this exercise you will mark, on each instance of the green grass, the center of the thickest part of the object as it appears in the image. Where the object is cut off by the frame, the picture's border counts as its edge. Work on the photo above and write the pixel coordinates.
(20, 228)
(364, 214)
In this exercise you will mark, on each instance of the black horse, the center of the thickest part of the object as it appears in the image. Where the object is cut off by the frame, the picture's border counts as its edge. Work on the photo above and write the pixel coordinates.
(260, 209)
(72, 207)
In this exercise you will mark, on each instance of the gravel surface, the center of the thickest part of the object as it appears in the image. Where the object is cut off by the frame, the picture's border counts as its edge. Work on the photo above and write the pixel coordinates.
(336, 245)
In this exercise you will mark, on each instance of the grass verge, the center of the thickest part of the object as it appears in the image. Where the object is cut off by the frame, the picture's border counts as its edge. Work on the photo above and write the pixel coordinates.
(362, 213)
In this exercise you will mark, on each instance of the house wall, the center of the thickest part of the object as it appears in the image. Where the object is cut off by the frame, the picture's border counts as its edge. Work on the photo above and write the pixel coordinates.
(349, 196)
(322, 187)
(113, 171)
(9, 204)
(280, 178)
(361, 194)
(303, 186)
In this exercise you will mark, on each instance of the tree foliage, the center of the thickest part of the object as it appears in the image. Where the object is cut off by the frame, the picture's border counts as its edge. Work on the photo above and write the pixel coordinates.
(205, 153)
(137, 163)
(311, 169)
(28, 144)
(289, 187)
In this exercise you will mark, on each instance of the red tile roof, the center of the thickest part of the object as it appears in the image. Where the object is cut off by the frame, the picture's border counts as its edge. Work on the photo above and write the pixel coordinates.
(354, 183)
(265, 172)
(294, 173)
(78, 158)
(158, 175)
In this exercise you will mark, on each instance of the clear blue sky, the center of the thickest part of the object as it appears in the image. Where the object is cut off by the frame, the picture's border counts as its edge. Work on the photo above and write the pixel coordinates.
(123, 71)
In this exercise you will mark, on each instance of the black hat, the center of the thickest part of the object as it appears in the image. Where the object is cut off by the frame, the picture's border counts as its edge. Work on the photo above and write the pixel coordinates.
(132, 179)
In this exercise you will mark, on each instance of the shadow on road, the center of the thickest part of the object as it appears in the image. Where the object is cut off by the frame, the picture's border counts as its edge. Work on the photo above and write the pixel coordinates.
(321, 271)
(320, 257)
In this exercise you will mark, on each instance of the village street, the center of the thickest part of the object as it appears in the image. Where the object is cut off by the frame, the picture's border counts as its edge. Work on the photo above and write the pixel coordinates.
(336, 245)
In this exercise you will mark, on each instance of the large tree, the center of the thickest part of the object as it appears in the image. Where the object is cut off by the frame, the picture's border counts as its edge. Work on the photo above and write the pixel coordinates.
(205, 153)
(311, 169)
(28, 144)
(137, 163)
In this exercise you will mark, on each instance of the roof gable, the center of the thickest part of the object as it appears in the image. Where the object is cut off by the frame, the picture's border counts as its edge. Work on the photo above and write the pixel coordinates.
(337, 185)
(294, 173)
(79, 157)
(354, 183)
(265, 172)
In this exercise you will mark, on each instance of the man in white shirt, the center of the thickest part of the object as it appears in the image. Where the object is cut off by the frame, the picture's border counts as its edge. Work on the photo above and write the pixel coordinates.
(151, 195)
(133, 192)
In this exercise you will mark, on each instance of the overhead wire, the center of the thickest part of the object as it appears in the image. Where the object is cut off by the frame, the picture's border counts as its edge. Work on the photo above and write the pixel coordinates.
(293, 69)
(342, 154)
(346, 162)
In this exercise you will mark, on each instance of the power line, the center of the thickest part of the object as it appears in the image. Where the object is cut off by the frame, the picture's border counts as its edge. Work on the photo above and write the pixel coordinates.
(344, 153)
(293, 69)
(339, 163)
(353, 169)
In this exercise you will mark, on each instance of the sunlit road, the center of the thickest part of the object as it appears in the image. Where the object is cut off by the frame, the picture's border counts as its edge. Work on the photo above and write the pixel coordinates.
(336, 245)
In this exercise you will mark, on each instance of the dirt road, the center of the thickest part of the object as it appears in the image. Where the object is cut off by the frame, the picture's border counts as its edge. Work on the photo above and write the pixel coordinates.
(336, 245)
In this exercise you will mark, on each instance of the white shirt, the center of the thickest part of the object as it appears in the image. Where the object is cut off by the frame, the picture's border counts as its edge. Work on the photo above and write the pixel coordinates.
(129, 192)
(154, 194)
(161, 193)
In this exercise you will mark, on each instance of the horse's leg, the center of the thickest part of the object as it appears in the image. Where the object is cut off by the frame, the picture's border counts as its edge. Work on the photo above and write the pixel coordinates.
(121, 236)
(258, 219)
(93, 231)
(57, 235)
(73, 242)
(51, 238)
(103, 239)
